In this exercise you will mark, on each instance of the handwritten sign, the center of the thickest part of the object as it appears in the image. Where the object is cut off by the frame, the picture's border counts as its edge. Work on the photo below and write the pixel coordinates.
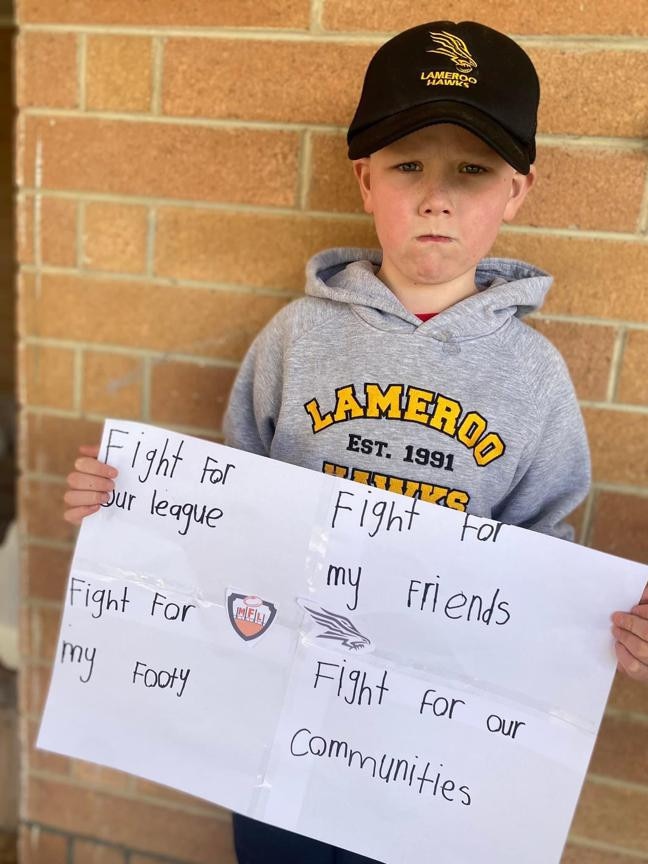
(376, 672)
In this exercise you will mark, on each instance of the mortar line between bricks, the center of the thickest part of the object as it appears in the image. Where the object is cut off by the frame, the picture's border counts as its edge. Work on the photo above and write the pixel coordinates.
(261, 291)
(544, 138)
(81, 70)
(272, 210)
(615, 406)
(145, 398)
(170, 120)
(197, 431)
(642, 222)
(38, 603)
(316, 15)
(599, 846)
(622, 489)
(360, 37)
(98, 841)
(616, 363)
(170, 282)
(627, 716)
(612, 782)
(150, 241)
(588, 320)
(193, 431)
(78, 373)
(205, 810)
(80, 229)
(588, 517)
(198, 204)
(48, 543)
(157, 356)
(581, 233)
(141, 353)
(561, 139)
(157, 60)
(305, 170)
(37, 215)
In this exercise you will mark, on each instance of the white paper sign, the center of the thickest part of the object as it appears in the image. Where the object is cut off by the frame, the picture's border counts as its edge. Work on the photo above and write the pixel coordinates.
(393, 677)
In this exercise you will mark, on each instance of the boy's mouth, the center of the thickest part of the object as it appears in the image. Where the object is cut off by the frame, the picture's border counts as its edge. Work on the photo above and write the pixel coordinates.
(434, 238)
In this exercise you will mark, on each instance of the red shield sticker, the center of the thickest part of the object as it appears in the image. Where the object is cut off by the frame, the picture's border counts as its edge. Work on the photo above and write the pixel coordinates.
(250, 616)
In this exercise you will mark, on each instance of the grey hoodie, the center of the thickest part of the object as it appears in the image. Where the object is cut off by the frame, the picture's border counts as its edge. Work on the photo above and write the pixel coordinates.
(472, 409)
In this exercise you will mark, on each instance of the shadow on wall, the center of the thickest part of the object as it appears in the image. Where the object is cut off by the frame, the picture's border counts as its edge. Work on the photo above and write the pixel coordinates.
(7, 269)
(8, 533)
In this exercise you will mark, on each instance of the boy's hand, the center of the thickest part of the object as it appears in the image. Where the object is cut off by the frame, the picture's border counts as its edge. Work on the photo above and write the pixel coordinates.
(631, 633)
(90, 485)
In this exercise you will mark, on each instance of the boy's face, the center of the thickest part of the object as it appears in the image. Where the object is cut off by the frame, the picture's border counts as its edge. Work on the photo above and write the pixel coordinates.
(438, 198)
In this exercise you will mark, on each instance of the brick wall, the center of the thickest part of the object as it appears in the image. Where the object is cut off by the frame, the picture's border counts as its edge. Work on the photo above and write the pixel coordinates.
(177, 163)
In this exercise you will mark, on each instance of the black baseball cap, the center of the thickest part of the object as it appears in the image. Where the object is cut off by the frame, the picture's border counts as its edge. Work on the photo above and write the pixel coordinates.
(446, 72)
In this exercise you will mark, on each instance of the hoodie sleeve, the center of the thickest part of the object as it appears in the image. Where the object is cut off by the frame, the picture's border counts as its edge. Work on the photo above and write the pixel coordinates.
(255, 399)
(555, 476)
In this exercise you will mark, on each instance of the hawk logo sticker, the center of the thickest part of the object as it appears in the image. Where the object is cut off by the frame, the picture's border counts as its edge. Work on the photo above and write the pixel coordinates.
(454, 48)
(250, 616)
(333, 625)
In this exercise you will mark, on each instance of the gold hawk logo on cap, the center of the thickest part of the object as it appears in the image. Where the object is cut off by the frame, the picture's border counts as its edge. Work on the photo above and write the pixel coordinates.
(456, 49)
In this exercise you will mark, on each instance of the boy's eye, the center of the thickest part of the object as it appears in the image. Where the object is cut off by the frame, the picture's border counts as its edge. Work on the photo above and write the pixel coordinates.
(409, 166)
(472, 169)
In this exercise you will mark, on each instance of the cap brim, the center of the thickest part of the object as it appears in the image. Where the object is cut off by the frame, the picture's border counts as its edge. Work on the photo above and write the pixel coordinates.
(386, 131)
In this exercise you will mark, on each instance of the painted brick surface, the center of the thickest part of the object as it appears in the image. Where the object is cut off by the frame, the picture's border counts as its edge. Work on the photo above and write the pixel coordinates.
(36, 55)
(46, 569)
(54, 221)
(196, 839)
(162, 160)
(169, 13)
(118, 73)
(588, 352)
(553, 18)
(47, 376)
(189, 394)
(177, 164)
(633, 381)
(43, 847)
(112, 384)
(94, 853)
(115, 237)
(248, 248)
(144, 315)
(275, 80)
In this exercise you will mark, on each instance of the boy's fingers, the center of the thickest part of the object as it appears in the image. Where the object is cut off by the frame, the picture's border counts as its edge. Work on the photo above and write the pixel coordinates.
(629, 664)
(77, 514)
(644, 596)
(75, 498)
(91, 482)
(89, 465)
(89, 450)
(637, 645)
(635, 621)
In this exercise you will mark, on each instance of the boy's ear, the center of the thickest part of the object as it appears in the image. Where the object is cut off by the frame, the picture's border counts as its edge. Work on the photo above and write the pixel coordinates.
(520, 187)
(362, 171)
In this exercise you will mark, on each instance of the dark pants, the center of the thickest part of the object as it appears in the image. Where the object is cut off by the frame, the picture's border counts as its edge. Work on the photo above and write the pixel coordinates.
(257, 843)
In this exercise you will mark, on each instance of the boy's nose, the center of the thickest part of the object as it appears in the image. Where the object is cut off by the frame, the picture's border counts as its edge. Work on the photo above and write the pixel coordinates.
(435, 199)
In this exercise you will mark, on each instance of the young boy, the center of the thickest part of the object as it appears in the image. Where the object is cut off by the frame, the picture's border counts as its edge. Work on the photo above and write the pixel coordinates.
(408, 368)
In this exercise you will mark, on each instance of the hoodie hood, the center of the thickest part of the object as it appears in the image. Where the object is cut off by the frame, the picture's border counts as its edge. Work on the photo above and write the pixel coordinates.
(507, 288)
